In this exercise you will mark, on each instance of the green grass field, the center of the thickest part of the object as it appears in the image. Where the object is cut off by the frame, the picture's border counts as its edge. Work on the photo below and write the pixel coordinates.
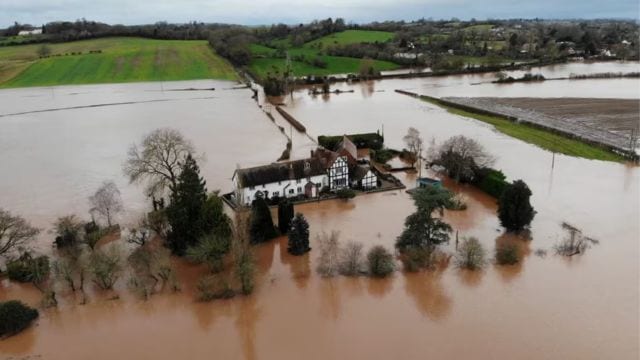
(120, 60)
(544, 139)
(352, 37)
(264, 60)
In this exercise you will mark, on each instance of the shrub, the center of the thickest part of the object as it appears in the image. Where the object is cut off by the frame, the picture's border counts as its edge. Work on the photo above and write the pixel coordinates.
(507, 254)
(105, 266)
(383, 155)
(380, 261)
(213, 287)
(417, 258)
(210, 251)
(244, 269)
(491, 181)
(471, 255)
(28, 268)
(15, 317)
(67, 229)
(346, 193)
(299, 235)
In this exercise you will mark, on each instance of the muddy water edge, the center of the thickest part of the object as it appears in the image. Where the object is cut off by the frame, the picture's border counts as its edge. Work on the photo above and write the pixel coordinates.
(583, 307)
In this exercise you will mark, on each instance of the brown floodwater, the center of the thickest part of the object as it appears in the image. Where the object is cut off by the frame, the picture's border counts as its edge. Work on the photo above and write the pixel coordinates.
(584, 307)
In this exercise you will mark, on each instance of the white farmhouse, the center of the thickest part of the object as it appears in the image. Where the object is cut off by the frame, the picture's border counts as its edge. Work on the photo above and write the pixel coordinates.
(288, 179)
(304, 178)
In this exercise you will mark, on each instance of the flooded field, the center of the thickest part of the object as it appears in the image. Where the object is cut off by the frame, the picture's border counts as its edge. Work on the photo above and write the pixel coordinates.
(584, 307)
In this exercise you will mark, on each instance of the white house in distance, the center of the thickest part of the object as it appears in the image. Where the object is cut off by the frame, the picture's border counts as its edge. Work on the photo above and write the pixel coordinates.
(37, 31)
(323, 170)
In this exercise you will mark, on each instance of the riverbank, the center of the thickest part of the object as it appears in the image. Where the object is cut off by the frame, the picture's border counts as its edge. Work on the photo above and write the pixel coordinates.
(555, 139)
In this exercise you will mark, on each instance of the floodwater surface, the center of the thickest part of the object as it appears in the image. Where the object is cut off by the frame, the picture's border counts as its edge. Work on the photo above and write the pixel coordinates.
(551, 307)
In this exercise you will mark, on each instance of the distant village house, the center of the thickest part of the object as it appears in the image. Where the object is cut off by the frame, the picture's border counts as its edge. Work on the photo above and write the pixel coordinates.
(37, 31)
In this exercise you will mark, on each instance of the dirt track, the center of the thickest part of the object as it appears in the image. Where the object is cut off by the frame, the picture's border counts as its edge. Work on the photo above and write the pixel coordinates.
(607, 121)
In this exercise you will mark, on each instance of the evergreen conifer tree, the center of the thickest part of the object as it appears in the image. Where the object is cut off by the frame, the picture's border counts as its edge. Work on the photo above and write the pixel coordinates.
(299, 235)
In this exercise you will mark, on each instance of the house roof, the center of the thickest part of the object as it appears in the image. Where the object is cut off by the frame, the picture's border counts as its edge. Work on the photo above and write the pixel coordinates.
(325, 157)
(275, 172)
(348, 146)
(359, 172)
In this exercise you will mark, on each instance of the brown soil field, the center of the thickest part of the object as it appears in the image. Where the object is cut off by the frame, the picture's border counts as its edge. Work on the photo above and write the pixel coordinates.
(609, 121)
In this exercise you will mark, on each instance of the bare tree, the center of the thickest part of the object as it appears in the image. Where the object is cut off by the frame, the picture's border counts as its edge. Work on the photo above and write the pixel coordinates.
(352, 259)
(158, 159)
(414, 144)
(462, 157)
(106, 266)
(107, 201)
(574, 244)
(329, 260)
(15, 232)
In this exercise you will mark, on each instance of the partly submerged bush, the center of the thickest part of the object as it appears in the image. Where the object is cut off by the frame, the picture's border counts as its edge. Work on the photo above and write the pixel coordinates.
(507, 254)
(28, 269)
(380, 261)
(346, 193)
(471, 255)
(213, 287)
(15, 317)
(417, 258)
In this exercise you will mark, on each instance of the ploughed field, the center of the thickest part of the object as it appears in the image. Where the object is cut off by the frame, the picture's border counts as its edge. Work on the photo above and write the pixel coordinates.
(111, 60)
(604, 121)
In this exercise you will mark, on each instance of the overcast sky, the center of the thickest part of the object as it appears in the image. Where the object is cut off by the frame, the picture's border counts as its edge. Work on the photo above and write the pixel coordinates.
(37, 12)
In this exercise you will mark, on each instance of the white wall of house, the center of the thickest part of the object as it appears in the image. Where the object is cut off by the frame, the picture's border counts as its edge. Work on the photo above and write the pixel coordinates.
(30, 32)
(339, 174)
(370, 181)
(288, 188)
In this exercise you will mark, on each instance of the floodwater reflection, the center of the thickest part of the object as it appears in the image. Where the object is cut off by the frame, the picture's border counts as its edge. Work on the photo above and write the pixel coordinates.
(428, 293)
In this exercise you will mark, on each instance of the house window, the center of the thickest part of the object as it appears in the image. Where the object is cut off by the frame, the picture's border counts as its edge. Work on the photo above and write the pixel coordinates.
(298, 181)
(307, 166)
(252, 187)
(319, 185)
(299, 189)
(291, 191)
(276, 193)
(264, 186)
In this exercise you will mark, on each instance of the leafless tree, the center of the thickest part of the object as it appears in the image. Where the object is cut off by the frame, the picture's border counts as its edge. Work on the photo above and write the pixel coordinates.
(70, 268)
(158, 159)
(140, 232)
(329, 260)
(105, 267)
(414, 144)
(462, 156)
(107, 201)
(15, 232)
(574, 244)
(352, 259)
(151, 266)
